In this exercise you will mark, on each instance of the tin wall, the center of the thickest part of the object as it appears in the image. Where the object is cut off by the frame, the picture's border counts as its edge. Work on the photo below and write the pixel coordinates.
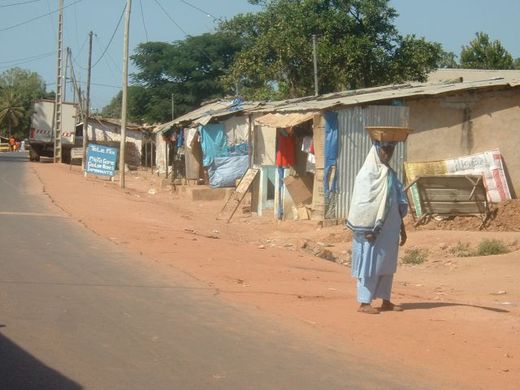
(354, 145)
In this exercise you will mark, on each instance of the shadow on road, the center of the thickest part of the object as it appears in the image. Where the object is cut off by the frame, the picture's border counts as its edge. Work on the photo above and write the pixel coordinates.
(434, 305)
(21, 370)
(14, 157)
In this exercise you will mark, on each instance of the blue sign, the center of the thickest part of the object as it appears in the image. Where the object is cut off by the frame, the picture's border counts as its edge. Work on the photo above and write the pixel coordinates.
(101, 160)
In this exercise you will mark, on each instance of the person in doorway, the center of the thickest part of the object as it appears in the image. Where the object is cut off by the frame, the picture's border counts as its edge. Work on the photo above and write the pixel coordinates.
(376, 220)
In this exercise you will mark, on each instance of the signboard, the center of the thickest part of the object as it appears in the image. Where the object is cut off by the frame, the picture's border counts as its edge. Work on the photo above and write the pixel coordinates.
(76, 154)
(101, 160)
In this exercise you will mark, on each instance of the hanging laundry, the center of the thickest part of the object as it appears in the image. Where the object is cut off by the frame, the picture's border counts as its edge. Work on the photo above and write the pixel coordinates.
(285, 153)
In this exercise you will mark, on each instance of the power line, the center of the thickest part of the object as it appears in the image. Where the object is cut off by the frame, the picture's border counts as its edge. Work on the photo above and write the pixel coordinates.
(19, 3)
(169, 17)
(37, 17)
(112, 37)
(180, 28)
(215, 19)
(142, 19)
(36, 56)
(108, 56)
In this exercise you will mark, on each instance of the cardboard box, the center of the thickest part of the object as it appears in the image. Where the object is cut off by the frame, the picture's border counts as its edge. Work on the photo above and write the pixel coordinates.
(300, 188)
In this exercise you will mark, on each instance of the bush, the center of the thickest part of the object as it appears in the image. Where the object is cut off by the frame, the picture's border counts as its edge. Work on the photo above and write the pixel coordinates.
(415, 256)
(489, 247)
(462, 249)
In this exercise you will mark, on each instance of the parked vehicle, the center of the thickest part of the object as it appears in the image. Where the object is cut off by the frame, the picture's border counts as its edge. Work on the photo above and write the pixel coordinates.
(41, 135)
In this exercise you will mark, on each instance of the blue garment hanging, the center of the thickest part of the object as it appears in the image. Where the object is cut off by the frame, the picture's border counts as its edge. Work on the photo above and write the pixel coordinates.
(331, 151)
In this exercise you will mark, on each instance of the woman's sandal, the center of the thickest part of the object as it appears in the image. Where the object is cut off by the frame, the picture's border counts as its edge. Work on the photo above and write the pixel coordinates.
(390, 307)
(367, 309)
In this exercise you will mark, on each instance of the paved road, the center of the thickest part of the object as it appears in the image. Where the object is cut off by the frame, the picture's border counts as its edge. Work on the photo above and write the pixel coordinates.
(78, 312)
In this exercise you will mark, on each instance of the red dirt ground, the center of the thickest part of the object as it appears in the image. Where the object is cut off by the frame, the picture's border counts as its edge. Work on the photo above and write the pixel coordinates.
(461, 326)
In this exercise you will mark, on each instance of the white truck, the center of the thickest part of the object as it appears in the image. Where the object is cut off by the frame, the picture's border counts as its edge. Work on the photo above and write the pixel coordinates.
(41, 134)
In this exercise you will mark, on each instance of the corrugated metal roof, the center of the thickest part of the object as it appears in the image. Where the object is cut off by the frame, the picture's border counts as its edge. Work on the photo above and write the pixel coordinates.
(207, 112)
(222, 108)
(284, 120)
(389, 92)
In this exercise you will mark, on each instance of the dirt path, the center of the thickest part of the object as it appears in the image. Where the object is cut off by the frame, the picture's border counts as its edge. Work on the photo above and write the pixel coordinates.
(461, 325)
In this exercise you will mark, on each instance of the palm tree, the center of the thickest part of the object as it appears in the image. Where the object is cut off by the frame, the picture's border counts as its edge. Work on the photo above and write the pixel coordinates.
(11, 111)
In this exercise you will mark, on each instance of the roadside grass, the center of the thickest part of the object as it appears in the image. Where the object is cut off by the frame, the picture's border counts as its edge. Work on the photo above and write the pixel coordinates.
(486, 247)
(462, 249)
(415, 256)
(490, 247)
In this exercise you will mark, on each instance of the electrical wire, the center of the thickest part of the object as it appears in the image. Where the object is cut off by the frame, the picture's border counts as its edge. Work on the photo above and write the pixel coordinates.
(111, 38)
(215, 19)
(36, 58)
(37, 17)
(169, 17)
(19, 3)
(109, 66)
(142, 19)
(180, 28)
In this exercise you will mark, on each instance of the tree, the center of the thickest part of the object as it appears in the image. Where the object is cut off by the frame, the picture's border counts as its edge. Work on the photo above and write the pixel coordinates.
(20, 88)
(11, 111)
(481, 53)
(358, 46)
(448, 60)
(191, 69)
(137, 101)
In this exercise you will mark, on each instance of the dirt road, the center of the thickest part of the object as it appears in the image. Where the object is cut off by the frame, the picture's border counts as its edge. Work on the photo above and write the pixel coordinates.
(461, 325)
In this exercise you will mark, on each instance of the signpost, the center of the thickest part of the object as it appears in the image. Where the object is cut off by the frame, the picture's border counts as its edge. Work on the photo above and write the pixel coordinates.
(101, 160)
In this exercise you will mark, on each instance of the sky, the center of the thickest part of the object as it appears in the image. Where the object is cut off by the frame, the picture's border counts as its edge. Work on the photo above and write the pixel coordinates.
(28, 30)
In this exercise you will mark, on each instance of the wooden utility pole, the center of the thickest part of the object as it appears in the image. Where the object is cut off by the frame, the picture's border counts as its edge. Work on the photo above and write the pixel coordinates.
(87, 103)
(315, 60)
(125, 97)
(59, 88)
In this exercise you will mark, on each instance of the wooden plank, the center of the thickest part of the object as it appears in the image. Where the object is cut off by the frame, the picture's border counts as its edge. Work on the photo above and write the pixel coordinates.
(452, 195)
(231, 205)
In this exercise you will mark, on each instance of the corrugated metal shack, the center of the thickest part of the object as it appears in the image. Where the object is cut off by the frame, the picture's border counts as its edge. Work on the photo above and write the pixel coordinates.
(218, 132)
(340, 142)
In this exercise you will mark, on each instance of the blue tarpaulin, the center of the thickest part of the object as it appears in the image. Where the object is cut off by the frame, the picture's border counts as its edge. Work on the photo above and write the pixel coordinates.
(213, 142)
(224, 171)
(331, 150)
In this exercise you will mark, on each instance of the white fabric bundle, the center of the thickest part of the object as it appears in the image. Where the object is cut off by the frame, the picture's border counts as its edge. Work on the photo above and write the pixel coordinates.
(367, 208)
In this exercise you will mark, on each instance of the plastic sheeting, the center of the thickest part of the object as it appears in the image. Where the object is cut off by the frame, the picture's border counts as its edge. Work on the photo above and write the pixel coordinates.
(213, 142)
(331, 150)
(224, 171)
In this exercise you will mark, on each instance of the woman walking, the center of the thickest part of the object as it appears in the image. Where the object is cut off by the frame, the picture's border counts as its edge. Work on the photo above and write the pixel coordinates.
(376, 218)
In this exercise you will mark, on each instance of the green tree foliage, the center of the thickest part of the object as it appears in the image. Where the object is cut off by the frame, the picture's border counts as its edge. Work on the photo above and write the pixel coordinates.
(138, 100)
(482, 53)
(20, 88)
(358, 46)
(191, 70)
(448, 60)
(11, 112)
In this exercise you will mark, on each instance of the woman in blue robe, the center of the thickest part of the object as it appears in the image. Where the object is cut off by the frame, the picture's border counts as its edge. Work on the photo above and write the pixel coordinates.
(376, 218)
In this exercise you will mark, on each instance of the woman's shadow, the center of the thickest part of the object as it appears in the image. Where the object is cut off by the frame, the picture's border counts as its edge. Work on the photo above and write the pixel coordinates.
(434, 305)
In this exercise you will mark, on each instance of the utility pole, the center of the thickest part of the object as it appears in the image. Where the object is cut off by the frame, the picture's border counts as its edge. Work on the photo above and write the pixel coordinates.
(315, 64)
(59, 88)
(125, 96)
(67, 56)
(87, 104)
(173, 108)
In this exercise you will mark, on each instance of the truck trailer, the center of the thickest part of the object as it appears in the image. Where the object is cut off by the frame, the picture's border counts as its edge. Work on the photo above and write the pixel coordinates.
(41, 134)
